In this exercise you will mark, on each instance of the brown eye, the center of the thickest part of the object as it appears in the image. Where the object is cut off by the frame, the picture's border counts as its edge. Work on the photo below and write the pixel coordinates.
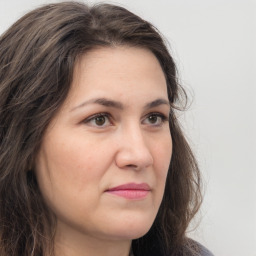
(100, 120)
(153, 119)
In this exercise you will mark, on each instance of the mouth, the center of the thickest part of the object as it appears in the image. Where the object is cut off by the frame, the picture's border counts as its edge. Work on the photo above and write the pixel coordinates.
(131, 190)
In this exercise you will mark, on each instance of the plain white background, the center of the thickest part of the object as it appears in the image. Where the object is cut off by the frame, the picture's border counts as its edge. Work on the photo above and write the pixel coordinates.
(213, 43)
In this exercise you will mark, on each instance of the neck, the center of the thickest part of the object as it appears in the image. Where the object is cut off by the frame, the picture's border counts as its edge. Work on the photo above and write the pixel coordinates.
(75, 243)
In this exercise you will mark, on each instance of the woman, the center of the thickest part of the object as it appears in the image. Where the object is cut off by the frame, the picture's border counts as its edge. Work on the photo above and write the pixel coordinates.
(93, 160)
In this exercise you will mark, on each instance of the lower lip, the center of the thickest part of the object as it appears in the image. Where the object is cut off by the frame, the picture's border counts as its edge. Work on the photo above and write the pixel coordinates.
(130, 194)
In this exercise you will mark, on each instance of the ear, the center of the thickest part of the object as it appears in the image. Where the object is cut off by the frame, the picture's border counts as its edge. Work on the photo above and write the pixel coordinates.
(30, 165)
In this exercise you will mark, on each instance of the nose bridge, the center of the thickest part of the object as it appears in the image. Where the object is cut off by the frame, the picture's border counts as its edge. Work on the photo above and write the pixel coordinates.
(133, 147)
(134, 136)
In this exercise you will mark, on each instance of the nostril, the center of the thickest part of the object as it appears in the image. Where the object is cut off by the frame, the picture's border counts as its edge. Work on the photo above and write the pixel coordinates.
(132, 166)
(133, 154)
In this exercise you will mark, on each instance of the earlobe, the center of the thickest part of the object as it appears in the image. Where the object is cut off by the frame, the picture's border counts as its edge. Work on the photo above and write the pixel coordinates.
(30, 166)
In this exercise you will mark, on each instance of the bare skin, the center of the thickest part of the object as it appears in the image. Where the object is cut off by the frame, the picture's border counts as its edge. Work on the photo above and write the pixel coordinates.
(111, 130)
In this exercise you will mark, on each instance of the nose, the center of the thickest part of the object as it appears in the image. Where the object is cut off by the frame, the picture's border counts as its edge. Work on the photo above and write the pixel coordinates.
(133, 150)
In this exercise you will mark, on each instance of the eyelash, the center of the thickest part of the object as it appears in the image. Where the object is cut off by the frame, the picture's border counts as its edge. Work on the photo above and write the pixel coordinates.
(93, 117)
(108, 117)
(163, 118)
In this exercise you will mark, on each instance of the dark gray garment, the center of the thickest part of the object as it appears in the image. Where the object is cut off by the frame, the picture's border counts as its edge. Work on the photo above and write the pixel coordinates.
(191, 248)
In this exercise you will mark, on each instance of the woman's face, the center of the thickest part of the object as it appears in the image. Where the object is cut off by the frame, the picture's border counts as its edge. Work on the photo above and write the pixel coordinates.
(104, 158)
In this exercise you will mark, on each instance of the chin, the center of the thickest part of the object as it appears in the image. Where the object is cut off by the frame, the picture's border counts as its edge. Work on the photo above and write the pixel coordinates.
(132, 228)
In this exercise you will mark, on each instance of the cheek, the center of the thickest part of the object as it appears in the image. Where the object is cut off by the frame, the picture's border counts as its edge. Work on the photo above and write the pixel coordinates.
(74, 164)
(69, 178)
(162, 158)
(163, 154)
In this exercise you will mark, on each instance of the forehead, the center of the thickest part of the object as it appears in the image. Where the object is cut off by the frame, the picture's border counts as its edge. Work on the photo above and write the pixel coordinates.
(117, 71)
(118, 59)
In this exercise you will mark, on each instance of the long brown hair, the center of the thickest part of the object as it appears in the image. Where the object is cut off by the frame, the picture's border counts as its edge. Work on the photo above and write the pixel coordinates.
(37, 58)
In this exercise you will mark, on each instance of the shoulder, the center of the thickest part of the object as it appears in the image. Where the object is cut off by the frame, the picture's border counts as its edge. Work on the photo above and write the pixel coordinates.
(193, 248)
(189, 248)
(204, 251)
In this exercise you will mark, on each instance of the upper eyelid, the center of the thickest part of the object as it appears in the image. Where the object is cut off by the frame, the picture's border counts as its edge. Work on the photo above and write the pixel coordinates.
(98, 114)
(158, 114)
(90, 118)
(111, 118)
(163, 117)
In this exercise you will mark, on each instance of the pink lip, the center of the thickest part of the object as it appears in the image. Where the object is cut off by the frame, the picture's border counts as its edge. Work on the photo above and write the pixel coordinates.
(131, 190)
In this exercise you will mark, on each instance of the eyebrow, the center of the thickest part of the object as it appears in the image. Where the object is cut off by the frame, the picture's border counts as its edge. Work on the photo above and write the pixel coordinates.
(115, 104)
(156, 103)
(101, 101)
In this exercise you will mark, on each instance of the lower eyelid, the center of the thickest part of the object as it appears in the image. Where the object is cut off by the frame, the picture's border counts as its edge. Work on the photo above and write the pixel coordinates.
(163, 118)
(93, 117)
(109, 120)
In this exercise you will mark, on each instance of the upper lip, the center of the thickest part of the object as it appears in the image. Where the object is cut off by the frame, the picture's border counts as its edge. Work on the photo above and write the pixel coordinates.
(131, 186)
